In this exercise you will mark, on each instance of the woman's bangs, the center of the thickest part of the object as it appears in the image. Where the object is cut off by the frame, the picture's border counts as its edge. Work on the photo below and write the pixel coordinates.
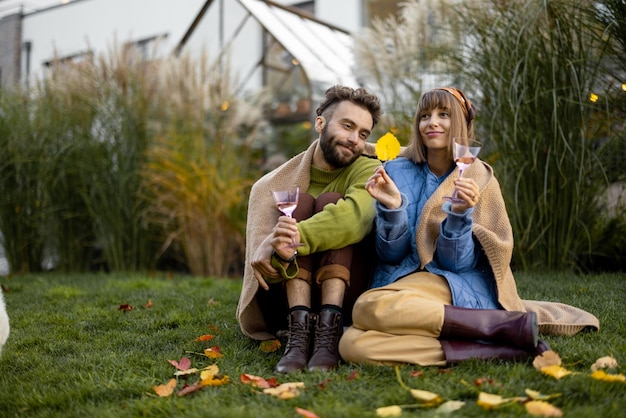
(435, 99)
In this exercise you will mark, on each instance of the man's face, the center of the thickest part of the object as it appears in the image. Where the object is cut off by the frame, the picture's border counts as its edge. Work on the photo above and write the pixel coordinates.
(343, 137)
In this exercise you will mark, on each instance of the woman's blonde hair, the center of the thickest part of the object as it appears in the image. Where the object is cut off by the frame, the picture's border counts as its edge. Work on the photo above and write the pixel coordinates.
(462, 113)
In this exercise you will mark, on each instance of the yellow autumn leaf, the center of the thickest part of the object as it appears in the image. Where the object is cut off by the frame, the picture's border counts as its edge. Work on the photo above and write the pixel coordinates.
(287, 390)
(538, 396)
(269, 346)
(426, 398)
(213, 352)
(387, 147)
(608, 362)
(542, 408)
(557, 372)
(209, 371)
(491, 401)
(215, 380)
(389, 411)
(605, 377)
(166, 389)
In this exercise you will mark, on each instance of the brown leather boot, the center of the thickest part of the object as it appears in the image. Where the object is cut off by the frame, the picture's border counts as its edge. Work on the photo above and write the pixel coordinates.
(297, 349)
(328, 330)
(491, 325)
(457, 351)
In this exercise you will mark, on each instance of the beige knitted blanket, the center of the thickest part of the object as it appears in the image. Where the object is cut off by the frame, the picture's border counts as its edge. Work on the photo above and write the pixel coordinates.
(262, 216)
(493, 229)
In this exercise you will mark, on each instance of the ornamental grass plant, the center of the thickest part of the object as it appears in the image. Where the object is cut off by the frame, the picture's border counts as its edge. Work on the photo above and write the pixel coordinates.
(127, 164)
(73, 352)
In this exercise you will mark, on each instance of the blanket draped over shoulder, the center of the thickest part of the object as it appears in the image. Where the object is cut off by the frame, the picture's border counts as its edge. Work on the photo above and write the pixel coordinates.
(493, 229)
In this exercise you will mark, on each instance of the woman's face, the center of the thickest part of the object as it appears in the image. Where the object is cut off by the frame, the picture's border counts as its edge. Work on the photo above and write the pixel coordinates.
(434, 128)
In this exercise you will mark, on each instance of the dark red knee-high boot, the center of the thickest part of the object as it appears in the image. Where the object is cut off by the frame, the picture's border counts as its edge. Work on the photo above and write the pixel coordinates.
(491, 325)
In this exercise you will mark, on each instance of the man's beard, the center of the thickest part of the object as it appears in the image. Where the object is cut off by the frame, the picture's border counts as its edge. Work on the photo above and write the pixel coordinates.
(331, 154)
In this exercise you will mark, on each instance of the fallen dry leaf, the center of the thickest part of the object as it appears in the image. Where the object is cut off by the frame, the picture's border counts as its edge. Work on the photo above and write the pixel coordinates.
(211, 370)
(182, 373)
(547, 358)
(491, 401)
(215, 380)
(542, 408)
(353, 375)
(538, 396)
(257, 382)
(448, 407)
(166, 389)
(205, 337)
(425, 397)
(306, 413)
(183, 364)
(269, 346)
(213, 352)
(389, 411)
(608, 362)
(148, 304)
(187, 389)
(557, 372)
(125, 307)
(286, 390)
(604, 376)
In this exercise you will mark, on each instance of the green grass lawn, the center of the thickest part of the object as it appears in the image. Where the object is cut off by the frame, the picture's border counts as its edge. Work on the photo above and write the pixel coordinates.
(73, 353)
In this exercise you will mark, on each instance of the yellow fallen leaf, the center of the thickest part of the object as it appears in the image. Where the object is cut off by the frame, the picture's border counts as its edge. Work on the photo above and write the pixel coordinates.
(605, 377)
(387, 147)
(269, 346)
(449, 407)
(557, 372)
(545, 359)
(213, 352)
(541, 408)
(491, 401)
(287, 390)
(215, 380)
(608, 362)
(166, 389)
(209, 371)
(389, 411)
(426, 398)
(538, 396)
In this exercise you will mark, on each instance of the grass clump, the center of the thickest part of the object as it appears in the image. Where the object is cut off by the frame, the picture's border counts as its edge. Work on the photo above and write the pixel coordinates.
(72, 352)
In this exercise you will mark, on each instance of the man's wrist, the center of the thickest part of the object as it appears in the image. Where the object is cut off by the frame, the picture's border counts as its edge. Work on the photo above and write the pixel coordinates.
(285, 260)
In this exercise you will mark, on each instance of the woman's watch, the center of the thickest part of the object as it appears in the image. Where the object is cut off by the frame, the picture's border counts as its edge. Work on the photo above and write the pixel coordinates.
(285, 260)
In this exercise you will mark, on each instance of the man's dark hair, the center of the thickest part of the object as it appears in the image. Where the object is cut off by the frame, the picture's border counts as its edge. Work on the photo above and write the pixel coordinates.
(359, 97)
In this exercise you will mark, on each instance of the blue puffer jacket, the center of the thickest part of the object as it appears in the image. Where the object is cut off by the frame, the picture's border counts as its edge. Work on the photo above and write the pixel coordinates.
(459, 257)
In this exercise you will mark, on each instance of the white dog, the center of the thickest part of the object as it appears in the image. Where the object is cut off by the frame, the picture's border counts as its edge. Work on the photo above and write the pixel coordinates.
(4, 323)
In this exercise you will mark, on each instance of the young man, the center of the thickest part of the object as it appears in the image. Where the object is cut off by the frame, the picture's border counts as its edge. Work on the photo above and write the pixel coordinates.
(309, 289)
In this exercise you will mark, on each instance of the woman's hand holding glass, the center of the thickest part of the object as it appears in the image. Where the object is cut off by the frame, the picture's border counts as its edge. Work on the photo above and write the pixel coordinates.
(467, 194)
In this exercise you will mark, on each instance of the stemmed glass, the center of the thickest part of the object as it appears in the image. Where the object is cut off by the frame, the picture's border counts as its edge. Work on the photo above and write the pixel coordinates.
(286, 202)
(464, 152)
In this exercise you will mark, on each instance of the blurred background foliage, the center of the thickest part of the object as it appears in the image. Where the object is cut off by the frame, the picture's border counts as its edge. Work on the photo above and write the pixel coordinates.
(120, 164)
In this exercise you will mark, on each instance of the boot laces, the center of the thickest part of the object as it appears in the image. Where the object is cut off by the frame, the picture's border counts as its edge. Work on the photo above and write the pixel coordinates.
(298, 335)
(326, 337)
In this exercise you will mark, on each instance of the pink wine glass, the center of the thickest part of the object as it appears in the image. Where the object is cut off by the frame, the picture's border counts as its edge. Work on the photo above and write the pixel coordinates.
(286, 202)
(464, 151)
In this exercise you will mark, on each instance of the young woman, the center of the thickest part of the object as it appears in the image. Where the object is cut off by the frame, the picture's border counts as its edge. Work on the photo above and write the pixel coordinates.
(443, 290)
